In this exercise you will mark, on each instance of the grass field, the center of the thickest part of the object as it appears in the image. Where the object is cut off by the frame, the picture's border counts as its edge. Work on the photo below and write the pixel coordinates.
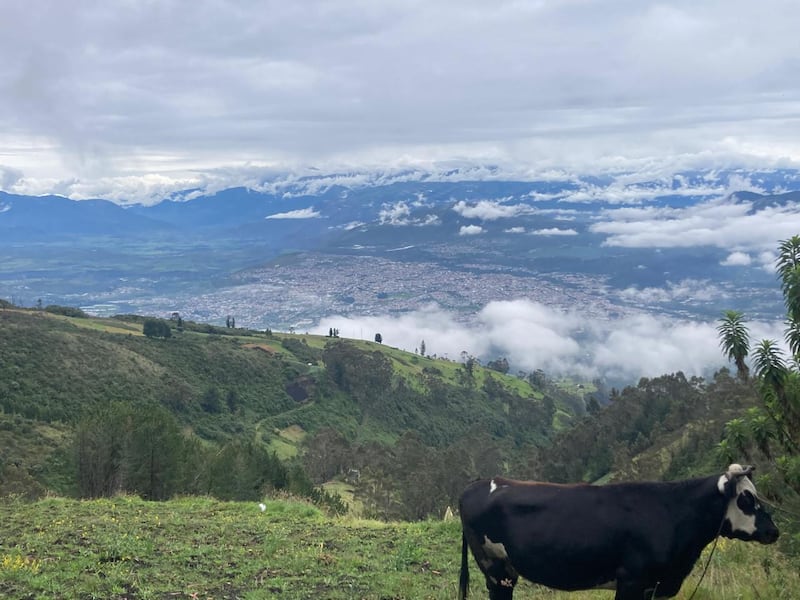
(197, 548)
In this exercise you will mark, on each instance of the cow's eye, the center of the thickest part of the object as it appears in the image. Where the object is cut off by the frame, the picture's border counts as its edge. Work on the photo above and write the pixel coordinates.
(746, 502)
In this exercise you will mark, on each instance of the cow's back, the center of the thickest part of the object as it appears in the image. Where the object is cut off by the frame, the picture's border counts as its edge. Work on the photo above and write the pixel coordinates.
(556, 535)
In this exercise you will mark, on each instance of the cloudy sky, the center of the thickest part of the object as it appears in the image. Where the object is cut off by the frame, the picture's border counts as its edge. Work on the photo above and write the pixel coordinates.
(129, 99)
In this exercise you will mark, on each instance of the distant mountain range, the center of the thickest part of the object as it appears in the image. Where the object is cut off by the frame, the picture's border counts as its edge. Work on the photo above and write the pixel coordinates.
(323, 205)
(681, 244)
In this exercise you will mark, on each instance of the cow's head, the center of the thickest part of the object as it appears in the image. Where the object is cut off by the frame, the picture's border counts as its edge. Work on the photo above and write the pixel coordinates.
(745, 518)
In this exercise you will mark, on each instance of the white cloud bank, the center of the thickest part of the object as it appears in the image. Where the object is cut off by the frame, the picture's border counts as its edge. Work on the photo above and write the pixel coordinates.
(300, 213)
(554, 231)
(716, 223)
(534, 336)
(470, 230)
(674, 291)
(490, 210)
(737, 259)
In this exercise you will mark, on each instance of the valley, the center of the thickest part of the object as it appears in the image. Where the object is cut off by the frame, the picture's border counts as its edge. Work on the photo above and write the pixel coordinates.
(306, 256)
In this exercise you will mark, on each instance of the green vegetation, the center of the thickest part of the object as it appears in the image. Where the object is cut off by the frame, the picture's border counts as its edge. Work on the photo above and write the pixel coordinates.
(201, 548)
(189, 409)
(156, 328)
(665, 427)
(770, 431)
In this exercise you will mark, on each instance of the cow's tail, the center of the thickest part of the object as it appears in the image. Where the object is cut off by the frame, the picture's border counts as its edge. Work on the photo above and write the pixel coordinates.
(463, 580)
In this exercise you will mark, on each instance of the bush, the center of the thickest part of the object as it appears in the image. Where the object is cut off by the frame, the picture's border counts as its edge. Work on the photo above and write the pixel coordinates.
(67, 311)
(156, 328)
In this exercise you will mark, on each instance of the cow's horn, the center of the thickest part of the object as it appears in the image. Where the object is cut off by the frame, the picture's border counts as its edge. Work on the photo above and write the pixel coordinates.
(736, 470)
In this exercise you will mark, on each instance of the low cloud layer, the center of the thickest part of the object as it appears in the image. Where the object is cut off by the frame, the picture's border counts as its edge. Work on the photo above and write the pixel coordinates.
(716, 223)
(490, 210)
(470, 230)
(300, 213)
(551, 231)
(674, 291)
(533, 336)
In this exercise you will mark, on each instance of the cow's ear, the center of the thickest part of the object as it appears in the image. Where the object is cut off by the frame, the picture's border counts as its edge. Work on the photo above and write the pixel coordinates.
(727, 483)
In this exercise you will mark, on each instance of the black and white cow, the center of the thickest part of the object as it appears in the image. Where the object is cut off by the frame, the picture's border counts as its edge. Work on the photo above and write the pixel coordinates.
(641, 539)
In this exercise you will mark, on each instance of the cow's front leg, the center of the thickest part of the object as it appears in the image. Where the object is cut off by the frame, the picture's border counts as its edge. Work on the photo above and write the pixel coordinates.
(631, 592)
(632, 588)
(500, 581)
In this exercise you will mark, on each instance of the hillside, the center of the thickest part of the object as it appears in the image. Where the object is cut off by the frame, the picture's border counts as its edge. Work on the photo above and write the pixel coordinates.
(91, 407)
(98, 383)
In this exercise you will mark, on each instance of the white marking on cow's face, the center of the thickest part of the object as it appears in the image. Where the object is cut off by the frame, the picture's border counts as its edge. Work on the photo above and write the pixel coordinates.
(745, 518)
(494, 549)
(739, 520)
(492, 486)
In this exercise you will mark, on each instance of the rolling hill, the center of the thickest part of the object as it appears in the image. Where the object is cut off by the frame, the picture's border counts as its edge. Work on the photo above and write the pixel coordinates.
(60, 375)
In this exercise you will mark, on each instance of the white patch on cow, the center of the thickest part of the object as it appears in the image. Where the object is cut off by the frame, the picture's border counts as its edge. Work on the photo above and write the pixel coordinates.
(492, 486)
(738, 520)
(494, 549)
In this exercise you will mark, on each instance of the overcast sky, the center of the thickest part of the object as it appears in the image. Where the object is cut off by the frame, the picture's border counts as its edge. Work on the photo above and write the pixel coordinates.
(126, 99)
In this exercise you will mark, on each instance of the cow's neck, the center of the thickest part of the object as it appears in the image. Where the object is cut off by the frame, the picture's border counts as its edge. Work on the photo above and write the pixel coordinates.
(703, 509)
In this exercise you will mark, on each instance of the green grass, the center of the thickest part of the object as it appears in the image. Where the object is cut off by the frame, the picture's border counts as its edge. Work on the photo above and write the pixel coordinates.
(201, 548)
(346, 492)
(285, 443)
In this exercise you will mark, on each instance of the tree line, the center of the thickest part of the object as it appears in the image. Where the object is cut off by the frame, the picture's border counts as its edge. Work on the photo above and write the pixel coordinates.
(140, 449)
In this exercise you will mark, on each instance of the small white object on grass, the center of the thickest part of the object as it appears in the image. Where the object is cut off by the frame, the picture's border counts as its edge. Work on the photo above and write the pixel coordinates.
(262, 506)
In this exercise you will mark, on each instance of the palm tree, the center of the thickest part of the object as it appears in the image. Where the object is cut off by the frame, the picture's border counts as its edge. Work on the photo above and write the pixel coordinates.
(770, 367)
(774, 427)
(788, 267)
(788, 256)
(737, 435)
(735, 340)
(761, 430)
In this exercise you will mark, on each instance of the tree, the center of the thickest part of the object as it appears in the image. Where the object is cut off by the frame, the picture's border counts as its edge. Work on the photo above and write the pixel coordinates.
(735, 341)
(500, 365)
(379, 338)
(774, 427)
(128, 449)
(327, 455)
(156, 328)
(422, 348)
(211, 402)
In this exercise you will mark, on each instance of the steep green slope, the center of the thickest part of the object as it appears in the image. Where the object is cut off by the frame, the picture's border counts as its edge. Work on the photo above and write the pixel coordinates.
(230, 386)
(54, 369)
